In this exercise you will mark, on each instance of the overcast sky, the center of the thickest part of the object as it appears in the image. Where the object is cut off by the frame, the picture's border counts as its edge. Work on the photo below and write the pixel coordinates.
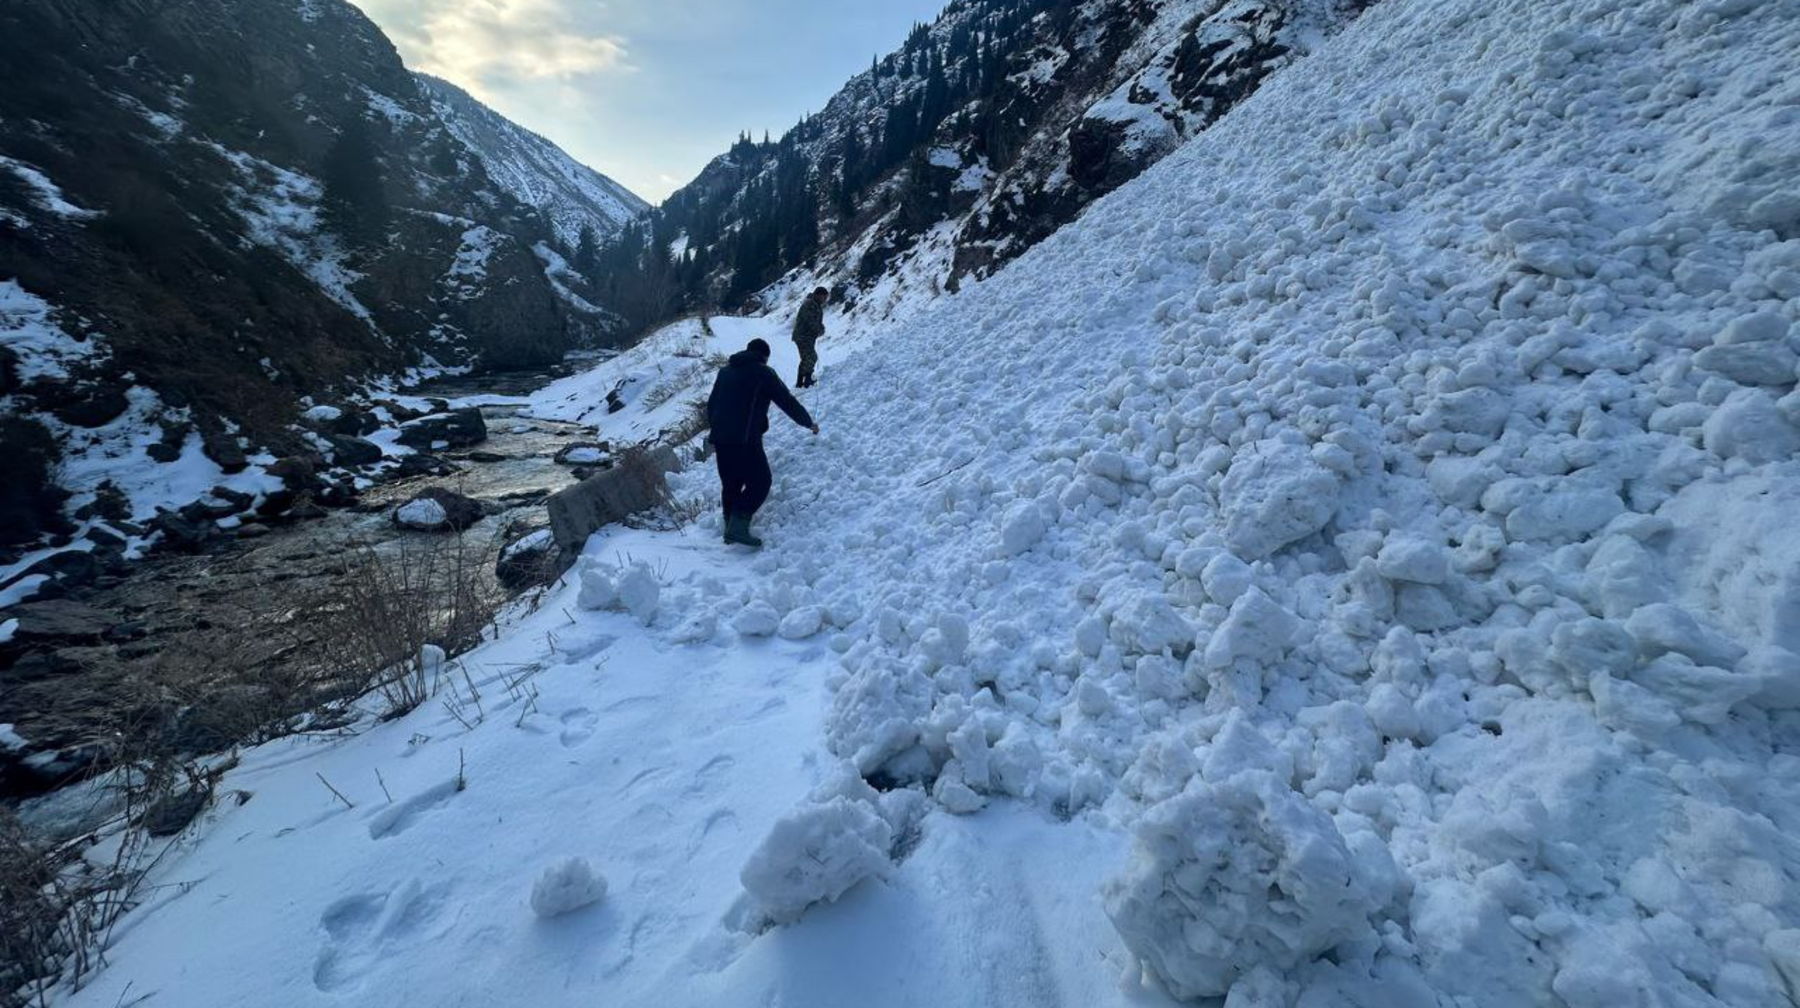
(648, 91)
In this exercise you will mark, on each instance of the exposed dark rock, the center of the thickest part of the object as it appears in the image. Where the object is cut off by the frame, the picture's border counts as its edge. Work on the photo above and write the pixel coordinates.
(182, 533)
(422, 464)
(347, 450)
(30, 504)
(452, 511)
(72, 568)
(174, 436)
(109, 503)
(172, 813)
(61, 621)
(453, 429)
(93, 405)
(484, 457)
(224, 450)
(585, 454)
(529, 560)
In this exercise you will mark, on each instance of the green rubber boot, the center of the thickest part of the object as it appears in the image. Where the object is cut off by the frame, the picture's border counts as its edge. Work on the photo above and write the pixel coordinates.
(730, 523)
(737, 530)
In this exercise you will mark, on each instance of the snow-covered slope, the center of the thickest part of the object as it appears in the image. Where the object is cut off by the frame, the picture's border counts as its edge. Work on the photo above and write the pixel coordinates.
(986, 131)
(1351, 566)
(535, 171)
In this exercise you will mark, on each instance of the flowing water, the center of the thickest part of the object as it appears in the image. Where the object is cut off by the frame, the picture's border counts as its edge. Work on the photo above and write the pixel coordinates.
(194, 628)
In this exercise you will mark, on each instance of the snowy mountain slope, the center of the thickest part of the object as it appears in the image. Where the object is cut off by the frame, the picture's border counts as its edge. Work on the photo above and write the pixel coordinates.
(536, 172)
(987, 131)
(233, 207)
(1352, 566)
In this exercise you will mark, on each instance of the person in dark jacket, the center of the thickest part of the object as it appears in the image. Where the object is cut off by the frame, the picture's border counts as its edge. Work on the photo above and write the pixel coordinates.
(738, 411)
(809, 325)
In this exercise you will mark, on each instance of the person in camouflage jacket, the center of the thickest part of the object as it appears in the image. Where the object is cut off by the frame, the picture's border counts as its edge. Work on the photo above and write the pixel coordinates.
(809, 325)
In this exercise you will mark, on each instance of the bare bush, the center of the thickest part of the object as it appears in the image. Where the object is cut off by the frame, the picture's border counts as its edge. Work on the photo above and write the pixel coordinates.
(398, 612)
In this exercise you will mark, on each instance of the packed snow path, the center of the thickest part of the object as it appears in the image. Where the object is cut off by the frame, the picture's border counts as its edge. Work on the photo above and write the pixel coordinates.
(1353, 565)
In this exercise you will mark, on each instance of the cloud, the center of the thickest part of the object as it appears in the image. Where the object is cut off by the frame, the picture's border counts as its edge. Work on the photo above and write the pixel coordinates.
(487, 45)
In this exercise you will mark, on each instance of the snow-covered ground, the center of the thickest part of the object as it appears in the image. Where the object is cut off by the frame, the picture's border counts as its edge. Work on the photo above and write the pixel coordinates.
(1352, 566)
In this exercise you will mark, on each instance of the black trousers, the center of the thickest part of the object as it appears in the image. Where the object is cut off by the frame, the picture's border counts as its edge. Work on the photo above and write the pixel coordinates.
(744, 477)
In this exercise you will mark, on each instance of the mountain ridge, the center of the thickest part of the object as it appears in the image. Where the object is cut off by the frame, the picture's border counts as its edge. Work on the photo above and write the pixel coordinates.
(533, 168)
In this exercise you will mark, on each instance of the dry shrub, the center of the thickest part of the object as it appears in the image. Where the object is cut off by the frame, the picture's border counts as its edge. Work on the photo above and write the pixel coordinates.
(375, 624)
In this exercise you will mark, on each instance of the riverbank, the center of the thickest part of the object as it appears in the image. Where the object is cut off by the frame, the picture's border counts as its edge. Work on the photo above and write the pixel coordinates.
(133, 640)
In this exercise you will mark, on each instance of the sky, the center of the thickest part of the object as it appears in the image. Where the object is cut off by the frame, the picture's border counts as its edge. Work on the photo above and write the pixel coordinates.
(648, 91)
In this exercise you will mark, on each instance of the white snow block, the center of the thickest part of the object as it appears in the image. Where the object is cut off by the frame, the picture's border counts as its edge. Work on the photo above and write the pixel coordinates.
(1147, 624)
(1415, 560)
(1022, 528)
(599, 591)
(1226, 578)
(1258, 630)
(759, 619)
(1273, 495)
(802, 623)
(815, 855)
(1749, 426)
(1564, 514)
(640, 593)
(1227, 876)
(1662, 627)
(566, 886)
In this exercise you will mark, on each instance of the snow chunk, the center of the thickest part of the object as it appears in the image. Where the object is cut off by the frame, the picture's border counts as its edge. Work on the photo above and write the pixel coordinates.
(1273, 496)
(1748, 426)
(815, 855)
(759, 619)
(802, 623)
(639, 592)
(1413, 560)
(566, 886)
(1233, 874)
(1022, 528)
(1257, 630)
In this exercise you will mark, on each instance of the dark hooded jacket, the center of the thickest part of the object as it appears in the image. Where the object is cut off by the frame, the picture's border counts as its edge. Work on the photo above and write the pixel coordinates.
(739, 407)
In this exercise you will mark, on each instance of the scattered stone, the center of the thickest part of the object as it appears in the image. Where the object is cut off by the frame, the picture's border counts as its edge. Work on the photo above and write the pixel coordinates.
(530, 560)
(224, 450)
(348, 450)
(439, 510)
(485, 457)
(584, 454)
(455, 429)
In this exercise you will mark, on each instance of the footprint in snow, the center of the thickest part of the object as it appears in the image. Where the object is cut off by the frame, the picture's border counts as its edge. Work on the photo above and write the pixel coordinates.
(720, 819)
(707, 777)
(401, 816)
(578, 726)
(361, 931)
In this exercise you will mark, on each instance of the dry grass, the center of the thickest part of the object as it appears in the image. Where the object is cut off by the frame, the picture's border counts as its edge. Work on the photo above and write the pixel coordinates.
(376, 623)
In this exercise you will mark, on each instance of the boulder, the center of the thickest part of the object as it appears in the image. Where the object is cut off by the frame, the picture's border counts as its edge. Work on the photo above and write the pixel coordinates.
(349, 450)
(422, 465)
(528, 560)
(224, 450)
(455, 429)
(584, 454)
(439, 510)
(183, 533)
